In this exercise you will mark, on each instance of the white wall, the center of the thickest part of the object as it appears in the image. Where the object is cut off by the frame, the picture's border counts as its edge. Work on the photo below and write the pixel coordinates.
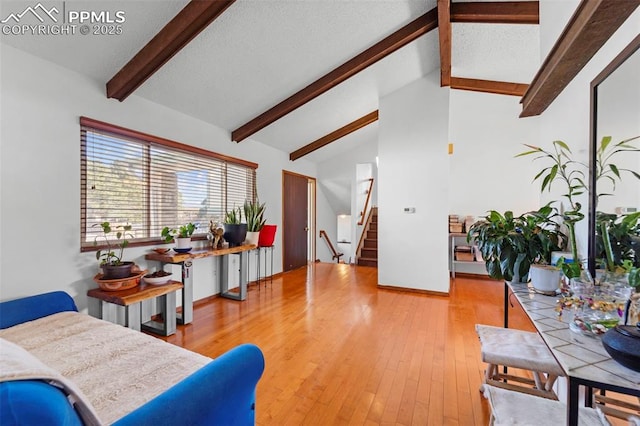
(325, 219)
(567, 118)
(40, 170)
(413, 171)
(484, 175)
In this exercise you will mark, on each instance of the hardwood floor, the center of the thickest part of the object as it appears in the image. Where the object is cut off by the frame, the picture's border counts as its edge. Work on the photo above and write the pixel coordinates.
(339, 350)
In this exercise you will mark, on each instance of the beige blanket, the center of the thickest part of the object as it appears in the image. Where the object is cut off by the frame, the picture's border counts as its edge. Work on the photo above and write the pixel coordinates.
(18, 364)
(118, 369)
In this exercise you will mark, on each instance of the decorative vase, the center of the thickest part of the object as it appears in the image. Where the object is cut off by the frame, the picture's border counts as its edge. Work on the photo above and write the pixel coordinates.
(113, 272)
(235, 234)
(253, 237)
(623, 344)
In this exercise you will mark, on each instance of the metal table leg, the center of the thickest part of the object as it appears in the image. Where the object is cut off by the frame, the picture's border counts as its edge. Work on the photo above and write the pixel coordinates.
(265, 264)
(224, 277)
(132, 316)
(186, 317)
(573, 398)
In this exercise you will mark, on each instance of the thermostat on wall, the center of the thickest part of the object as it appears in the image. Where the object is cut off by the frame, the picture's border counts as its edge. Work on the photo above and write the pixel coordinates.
(409, 209)
(625, 210)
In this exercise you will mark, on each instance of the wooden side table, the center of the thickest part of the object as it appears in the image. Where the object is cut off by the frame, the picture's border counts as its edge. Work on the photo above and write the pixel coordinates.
(185, 260)
(132, 299)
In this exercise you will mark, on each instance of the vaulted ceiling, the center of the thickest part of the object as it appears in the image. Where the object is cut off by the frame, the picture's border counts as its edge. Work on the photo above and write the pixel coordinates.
(299, 75)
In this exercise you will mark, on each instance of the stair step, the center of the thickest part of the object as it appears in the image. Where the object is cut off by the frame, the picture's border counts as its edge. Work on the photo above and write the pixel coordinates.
(370, 243)
(373, 226)
(370, 253)
(372, 235)
(363, 261)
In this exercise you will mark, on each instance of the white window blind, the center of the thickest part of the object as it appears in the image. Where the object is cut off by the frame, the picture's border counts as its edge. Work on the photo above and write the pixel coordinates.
(148, 182)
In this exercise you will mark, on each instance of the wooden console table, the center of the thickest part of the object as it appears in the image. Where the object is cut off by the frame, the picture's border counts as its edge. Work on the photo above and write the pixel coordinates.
(132, 300)
(185, 261)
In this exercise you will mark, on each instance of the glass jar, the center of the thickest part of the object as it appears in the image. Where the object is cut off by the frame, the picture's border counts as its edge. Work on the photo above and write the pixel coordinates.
(599, 307)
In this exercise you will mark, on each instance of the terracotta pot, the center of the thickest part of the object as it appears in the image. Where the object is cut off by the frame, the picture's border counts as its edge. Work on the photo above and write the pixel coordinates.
(119, 283)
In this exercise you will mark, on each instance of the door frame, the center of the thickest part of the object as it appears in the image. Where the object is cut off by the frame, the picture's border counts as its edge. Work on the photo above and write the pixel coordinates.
(311, 200)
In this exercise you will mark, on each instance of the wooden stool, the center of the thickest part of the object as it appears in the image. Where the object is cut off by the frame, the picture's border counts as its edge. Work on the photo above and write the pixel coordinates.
(519, 349)
(616, 407)
(515, 408)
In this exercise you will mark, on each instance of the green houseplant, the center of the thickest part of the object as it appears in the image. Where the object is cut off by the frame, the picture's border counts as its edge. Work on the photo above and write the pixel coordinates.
(235, 231)
(113, 267)
(182, 235)
(617, 240)
(572, 173)
(511, 244)
(254, 215)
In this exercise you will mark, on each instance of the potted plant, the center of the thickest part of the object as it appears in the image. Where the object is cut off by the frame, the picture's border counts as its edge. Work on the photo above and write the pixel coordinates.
(182, 235)
(572, 174)
(511, 244)
(111, 258)
(235, 232)
(254, 215)
(617, 240)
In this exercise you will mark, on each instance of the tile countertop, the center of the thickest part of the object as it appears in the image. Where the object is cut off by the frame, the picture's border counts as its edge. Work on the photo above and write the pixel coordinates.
(579, 355)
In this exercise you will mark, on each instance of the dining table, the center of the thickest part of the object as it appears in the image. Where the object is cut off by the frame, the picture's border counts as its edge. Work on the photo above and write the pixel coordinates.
(581, 355)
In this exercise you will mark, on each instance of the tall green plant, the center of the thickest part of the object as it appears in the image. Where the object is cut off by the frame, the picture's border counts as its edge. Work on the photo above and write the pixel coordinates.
(254, 215)
(571, 173)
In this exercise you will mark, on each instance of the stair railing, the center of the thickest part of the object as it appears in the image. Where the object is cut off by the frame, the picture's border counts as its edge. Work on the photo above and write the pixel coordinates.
(366, 202)
(335, 254)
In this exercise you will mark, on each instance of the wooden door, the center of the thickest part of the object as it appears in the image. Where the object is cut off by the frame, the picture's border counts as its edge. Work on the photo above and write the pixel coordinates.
(295, 213)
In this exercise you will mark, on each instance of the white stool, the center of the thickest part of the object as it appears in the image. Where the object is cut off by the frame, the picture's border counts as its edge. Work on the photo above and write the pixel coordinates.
(515, 408)
(519, 349)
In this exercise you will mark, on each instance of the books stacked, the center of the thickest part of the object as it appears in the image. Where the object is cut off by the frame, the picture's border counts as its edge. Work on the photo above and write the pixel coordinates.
(455, 226)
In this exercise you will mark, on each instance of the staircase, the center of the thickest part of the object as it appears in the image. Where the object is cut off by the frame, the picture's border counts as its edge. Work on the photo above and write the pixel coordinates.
(369, 250)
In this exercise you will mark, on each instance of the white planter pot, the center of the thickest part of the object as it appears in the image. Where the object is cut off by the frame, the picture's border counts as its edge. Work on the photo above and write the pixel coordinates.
(252, 238)
(183, 243)
(545, 278)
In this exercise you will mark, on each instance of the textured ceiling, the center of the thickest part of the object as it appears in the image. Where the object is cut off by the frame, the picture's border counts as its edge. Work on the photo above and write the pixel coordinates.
(259, 52)
(96, 56)
(256, 54)
(504, 52)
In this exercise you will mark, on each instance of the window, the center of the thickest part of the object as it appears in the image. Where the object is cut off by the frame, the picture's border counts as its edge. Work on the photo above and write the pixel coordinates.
(133, 178)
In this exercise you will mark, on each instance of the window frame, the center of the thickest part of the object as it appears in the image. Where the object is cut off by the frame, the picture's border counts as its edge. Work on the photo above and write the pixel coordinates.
(149, 140)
